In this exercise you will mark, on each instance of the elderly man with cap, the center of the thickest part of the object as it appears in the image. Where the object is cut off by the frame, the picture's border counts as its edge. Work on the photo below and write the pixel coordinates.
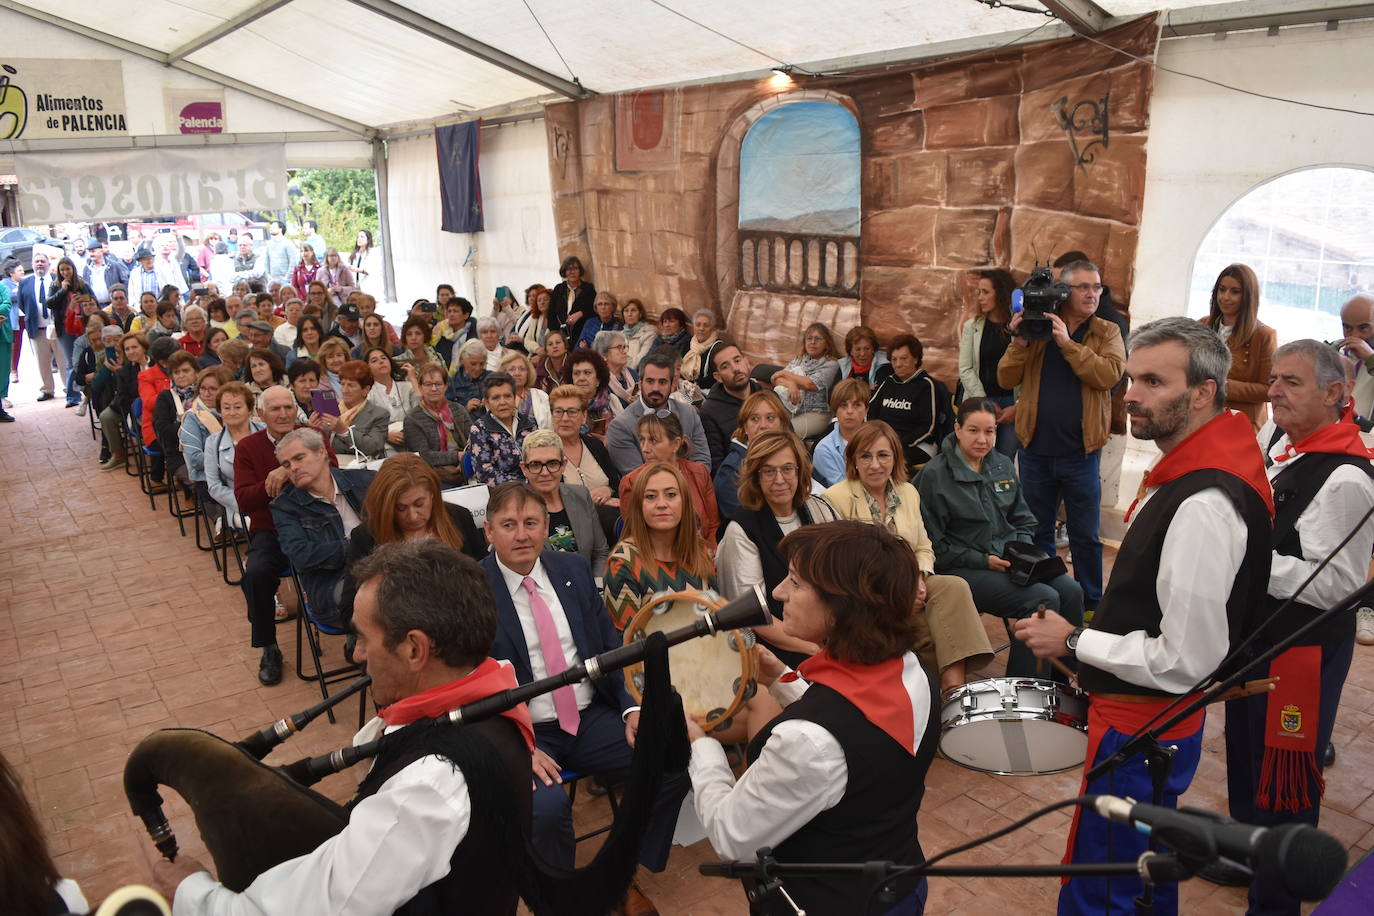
(102, 273)
(348, 326)
(143, 278)
(259, 333)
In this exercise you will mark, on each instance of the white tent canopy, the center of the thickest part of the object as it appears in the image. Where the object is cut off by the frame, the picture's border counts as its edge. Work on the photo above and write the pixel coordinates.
(370, 66)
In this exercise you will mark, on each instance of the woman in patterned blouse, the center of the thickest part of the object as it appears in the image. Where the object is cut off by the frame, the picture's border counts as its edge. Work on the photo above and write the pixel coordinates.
(662, 550)
(494, 445)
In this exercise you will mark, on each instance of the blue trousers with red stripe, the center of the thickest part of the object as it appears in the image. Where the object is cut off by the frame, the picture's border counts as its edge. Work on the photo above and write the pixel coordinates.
(1100, 840)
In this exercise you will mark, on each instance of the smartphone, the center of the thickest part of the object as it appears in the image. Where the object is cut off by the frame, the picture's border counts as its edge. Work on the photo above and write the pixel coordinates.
(110, 354)
(325, 401)
(502, 293)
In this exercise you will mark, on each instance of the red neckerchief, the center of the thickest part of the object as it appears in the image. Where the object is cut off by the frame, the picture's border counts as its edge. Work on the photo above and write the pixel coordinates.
(882, 692)
(1224, 443)
(486, 679)
(1340, 438)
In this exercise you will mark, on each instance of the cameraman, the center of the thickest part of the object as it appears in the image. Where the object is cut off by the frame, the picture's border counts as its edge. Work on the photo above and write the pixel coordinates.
(1357, 324)
(1064, 417)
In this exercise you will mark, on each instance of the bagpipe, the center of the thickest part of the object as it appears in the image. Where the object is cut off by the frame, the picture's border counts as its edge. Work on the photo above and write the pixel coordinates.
(252, 816)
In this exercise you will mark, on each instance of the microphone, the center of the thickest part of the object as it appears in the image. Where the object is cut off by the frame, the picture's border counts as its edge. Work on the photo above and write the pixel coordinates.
(1306, 862)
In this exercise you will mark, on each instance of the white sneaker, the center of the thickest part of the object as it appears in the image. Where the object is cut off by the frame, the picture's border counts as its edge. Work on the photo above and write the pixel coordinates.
(1364, 626)
(9, 405)
(1061, 536)
(81, 409)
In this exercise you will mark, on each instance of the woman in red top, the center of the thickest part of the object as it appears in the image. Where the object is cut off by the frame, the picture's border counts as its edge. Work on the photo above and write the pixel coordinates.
(661, 439)
(196, 330)
(306, 270)
(151, 382)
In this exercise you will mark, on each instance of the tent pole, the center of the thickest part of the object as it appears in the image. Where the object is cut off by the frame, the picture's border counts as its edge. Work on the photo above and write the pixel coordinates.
(379, 170)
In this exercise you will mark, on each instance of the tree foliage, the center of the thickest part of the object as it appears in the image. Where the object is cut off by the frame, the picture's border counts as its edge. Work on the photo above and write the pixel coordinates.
(342, 201)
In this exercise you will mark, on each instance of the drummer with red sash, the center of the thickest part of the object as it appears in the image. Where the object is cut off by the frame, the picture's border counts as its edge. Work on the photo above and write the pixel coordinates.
(1323, 484)
(1189, 574)
(436, 824)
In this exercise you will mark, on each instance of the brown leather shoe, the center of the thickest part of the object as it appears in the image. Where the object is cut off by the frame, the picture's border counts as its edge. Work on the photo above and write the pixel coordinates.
(636, 904)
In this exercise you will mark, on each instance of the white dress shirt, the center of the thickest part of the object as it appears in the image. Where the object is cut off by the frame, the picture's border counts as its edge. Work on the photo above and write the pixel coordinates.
(800, 772)
(1198, 564)
(541, 707)
(397, 842)
(1332, 514)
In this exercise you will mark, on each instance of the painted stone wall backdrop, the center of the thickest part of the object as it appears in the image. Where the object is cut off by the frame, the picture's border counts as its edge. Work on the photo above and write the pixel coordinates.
(965, 164)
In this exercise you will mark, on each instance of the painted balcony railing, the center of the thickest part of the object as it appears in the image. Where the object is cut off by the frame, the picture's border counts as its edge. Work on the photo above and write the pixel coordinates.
(788, 262)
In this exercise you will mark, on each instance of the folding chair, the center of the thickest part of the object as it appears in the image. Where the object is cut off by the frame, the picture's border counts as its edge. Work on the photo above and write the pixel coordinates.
(308, 631)
(570, 779)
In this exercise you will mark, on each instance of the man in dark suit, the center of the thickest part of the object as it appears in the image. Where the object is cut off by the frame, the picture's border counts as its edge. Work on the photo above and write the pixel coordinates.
(44, 327)
(550, 617)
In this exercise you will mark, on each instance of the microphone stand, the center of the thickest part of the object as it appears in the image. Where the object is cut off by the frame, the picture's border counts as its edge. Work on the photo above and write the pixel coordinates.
(1159, 757)
(763, 886)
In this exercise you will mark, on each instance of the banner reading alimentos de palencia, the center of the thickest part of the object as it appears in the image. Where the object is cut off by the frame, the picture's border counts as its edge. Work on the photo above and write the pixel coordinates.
(46, 98)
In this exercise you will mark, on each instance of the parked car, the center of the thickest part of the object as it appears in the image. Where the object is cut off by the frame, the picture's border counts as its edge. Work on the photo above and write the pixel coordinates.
(18, 242)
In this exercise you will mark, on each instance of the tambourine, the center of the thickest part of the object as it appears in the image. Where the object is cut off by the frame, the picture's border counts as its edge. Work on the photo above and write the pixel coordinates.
(715, 675)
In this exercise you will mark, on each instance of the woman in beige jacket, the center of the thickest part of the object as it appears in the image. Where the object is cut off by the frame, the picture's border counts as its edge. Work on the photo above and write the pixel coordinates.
(875, 489)
(1235, 316)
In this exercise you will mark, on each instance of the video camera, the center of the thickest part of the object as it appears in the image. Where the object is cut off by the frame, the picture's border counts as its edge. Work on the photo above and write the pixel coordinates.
(1041, 297)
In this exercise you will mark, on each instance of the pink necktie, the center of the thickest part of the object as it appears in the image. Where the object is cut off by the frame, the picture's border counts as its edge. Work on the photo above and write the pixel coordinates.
(555, 662)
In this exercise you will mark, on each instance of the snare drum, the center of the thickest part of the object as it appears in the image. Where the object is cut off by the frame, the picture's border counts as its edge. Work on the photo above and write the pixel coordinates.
(1015, 726)
(715, 675)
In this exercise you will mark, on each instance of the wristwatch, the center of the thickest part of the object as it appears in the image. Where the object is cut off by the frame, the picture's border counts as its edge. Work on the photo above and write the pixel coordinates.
(1071, 641)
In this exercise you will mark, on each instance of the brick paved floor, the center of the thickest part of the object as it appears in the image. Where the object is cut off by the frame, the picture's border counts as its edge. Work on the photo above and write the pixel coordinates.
(112, 625)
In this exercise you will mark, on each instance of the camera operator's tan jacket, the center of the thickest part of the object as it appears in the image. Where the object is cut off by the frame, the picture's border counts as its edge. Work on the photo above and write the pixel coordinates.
(1098, 362)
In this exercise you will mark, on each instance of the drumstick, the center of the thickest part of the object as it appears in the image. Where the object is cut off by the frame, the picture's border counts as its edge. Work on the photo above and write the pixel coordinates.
(1248, 689)
(1054, 662)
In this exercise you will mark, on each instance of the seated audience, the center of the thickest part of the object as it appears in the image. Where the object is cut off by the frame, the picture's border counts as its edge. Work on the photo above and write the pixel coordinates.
(494, 443)
(529, 400)
(235, 405)
(588, 463)
(972, 507)
(201, 421)
(658, 379)
(309, 338)
(661, 441)
(862, 358)
(603, 319)
(152, 381)
(193, 338)
(528, 329)
(392, 390)
(573, 523)
(695, 367)
(489, 334)
(849, 402)
(662, 549)
(130, 361)
(551, 366)
(875, 490)
(233, 355)
(760, 412)
(437, 429)
(304, 378)
(640, 332)
(214, 339)
(167, 323)
(265, 369)
(808, 380)
(613, 348)
(315, 514)
(775, 500)
(415, 348)
(333, 354)
(982, 342)
(905, 399)
(673, 332)
(589, 374)
(171, 405)
(841, 773)
(375, 336)
(360, 427)
(720, 409)
(466, 385)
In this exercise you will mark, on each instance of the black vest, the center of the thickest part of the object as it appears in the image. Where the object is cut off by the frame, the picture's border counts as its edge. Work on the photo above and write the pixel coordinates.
(485, 870)
(1131, 601)
(1294, 489)
(876, 818)
(761, 526)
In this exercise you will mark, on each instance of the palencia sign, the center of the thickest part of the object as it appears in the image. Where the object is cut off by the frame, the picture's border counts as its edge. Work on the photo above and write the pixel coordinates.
(120, 184)
(45, 98)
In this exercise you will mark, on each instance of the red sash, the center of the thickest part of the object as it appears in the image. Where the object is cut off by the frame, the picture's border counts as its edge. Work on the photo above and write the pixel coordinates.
(1289, 767)
(1224, 443)
(882, 692)
(486, 679)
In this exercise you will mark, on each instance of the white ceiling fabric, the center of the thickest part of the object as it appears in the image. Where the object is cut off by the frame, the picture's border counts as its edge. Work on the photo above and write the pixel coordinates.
(341, 57)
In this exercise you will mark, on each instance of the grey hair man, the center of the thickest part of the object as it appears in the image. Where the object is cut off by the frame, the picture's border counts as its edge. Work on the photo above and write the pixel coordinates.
(1357, 326)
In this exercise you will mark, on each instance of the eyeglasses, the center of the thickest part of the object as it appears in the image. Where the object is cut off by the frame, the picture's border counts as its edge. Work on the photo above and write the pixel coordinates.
(566, 411)
(433, 384)
(1086, 287)
(544, 467)
(874, 458)
(617, 347)
(787, 471)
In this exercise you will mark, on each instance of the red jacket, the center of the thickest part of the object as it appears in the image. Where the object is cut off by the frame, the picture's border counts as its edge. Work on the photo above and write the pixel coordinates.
(254, 458)
(151, 382)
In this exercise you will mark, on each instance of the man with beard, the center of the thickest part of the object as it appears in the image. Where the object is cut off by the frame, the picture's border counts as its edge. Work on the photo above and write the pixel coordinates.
(1166, 620)
(720, 409)
(659, 381)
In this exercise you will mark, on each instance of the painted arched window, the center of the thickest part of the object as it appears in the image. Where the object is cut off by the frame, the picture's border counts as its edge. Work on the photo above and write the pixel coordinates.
(799, 201)
(1309, 236)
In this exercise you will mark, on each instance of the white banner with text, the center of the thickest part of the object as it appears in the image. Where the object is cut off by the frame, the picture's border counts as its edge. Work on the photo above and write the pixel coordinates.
(124, 184)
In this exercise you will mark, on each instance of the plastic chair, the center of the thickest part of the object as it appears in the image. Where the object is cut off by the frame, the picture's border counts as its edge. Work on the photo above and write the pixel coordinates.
(311, 629)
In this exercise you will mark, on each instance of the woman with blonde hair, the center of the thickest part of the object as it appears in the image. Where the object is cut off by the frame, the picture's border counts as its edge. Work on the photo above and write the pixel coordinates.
(661, 440)
(529, 398)
(875, 490)
(405, 503)
(1235, 316)
(761, 411)
(808, 380)
(662, 549)
(333, 354)
(574, 526)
